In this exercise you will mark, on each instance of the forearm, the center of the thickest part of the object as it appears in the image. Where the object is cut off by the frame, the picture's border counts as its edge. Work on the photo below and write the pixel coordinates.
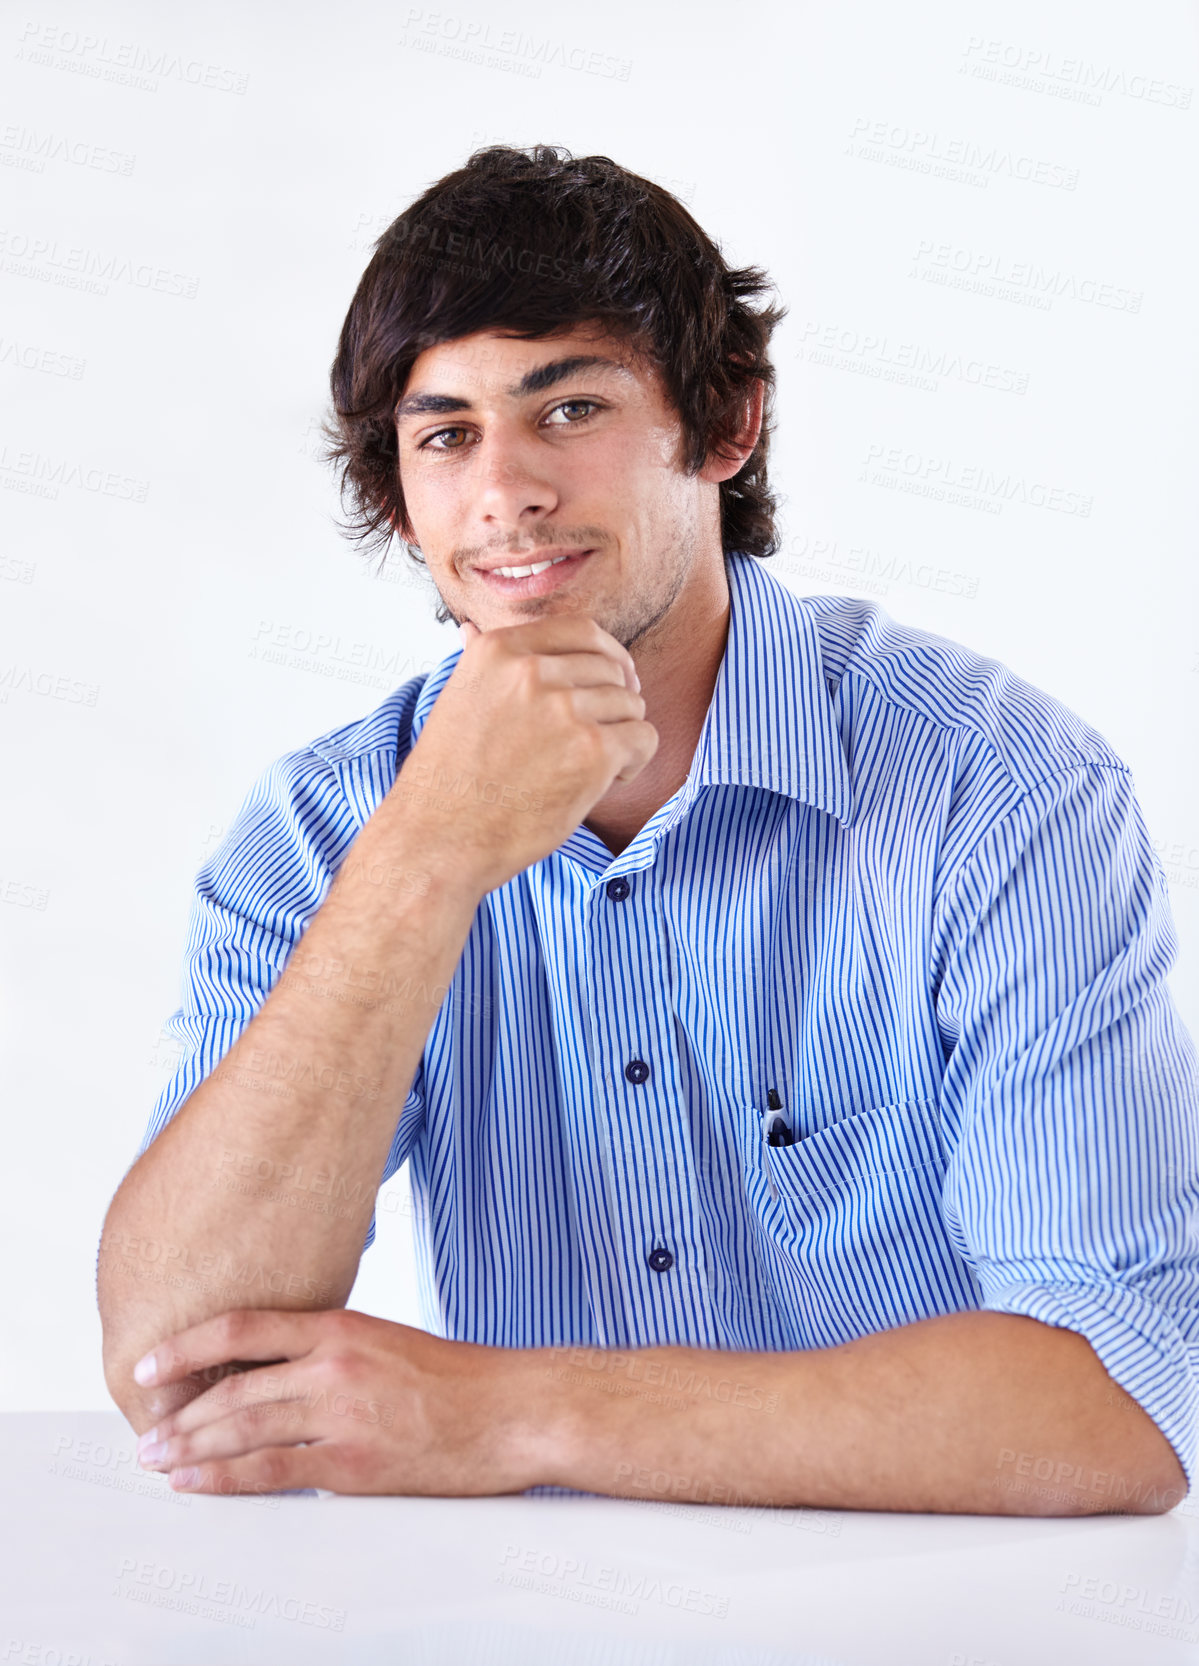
(259, 1191)
(949, 1414)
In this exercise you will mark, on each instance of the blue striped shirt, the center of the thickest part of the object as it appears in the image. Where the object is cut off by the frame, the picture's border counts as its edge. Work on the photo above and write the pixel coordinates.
(903, 895)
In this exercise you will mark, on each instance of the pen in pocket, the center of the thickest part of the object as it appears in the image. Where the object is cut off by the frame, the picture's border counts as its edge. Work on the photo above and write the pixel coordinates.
(776, 1128)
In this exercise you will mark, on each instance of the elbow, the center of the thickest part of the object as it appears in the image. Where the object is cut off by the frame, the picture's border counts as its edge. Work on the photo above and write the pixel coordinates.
(138, 1406)
(124, 1317)
(141, 1407)
(1150, 1487)
(1164, 1489)
(1162, 1479)
(123, 1344)
(118, 1357)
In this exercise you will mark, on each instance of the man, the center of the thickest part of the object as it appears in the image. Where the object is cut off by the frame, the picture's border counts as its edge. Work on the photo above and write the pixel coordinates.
(769, 999)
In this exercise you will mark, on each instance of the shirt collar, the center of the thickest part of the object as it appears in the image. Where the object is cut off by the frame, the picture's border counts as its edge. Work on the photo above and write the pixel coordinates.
(771, 721)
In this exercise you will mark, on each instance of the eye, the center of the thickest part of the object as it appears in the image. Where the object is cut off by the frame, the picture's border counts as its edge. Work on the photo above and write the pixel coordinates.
(429, 442)
(566, 404)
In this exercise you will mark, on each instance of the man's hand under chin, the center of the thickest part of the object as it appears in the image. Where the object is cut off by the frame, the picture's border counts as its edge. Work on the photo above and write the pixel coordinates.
(345, 1402)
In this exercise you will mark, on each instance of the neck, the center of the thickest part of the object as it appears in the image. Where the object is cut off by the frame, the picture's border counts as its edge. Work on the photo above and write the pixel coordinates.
(678, 672)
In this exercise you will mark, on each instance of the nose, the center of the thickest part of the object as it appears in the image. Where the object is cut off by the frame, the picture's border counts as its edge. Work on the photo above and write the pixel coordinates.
(511, 488)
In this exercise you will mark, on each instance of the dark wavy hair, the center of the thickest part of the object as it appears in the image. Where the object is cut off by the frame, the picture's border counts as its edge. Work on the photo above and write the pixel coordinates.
(532, 241)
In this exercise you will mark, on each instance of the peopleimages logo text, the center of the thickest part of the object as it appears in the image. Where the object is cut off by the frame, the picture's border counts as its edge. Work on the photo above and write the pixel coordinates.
(197, 1588)
(91, 51)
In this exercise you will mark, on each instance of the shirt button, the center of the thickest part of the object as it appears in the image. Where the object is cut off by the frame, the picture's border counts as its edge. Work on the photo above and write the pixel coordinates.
(660, 1260)
(637, 1071)
(618, 889)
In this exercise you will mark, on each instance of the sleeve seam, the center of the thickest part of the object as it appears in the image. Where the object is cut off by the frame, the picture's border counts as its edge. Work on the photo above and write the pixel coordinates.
(946, 898)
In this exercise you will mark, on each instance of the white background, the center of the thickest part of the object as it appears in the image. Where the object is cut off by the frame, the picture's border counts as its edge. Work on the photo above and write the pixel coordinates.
(164, 510)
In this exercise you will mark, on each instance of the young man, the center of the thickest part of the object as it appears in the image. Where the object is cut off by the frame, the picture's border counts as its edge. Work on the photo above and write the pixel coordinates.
(770, 999)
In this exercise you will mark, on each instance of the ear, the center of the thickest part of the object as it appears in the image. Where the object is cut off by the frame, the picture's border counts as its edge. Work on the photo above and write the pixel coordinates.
(401, 528)
(725, 463)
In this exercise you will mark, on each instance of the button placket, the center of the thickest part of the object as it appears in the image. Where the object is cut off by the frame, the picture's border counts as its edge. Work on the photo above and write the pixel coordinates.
(649, 1179)
(581, 1029)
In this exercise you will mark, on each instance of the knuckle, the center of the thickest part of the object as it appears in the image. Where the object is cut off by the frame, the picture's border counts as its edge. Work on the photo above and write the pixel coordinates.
(530, 673)
(593, 745)
(233, 1327)
(248, 1418)
(356, 1463)
(562, 705)
(339, 1322)
(271, 1466)
(229, 1389)
(285, 1415)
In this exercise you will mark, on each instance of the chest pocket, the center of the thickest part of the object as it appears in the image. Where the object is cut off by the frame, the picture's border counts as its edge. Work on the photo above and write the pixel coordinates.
(852, 1232)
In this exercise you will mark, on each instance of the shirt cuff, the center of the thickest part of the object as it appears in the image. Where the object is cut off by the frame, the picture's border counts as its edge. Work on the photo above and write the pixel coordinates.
(1140, 1347)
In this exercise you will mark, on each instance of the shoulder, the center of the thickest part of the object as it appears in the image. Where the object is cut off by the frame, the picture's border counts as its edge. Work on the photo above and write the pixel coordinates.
(869, 657)
(326, 790)
(386, 729)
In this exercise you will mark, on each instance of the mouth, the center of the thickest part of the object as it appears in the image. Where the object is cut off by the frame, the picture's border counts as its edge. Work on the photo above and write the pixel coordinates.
(538, 583)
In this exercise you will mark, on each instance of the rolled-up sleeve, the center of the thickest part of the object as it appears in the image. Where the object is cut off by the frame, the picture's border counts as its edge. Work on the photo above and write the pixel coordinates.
(1070, 1100)
(253, 900)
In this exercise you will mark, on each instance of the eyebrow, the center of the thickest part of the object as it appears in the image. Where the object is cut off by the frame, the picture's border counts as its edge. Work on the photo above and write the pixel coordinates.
(534, 381)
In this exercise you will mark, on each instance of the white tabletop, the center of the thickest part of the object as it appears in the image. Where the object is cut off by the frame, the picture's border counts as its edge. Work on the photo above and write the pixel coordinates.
(104, 1566)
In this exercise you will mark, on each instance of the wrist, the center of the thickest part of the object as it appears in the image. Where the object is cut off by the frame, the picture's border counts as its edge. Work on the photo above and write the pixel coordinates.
(429, 840)
(413, 864)
(537, 1418)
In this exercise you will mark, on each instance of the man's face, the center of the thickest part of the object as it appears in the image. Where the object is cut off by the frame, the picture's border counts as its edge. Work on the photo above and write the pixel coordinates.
(582, 458)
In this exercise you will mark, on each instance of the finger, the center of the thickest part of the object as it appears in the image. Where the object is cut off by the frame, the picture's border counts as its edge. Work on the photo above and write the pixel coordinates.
(243, 1388)
(607, 705)
(630, 744)
(562, 633)
(585, 668)
(272, 1423)
(581, 671)
(243, 1333)
(271, 1469)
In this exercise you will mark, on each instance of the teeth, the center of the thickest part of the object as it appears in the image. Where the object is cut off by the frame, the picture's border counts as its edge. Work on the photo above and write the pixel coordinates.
(526, 572)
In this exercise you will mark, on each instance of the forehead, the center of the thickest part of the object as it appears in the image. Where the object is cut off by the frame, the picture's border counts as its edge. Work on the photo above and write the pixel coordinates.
(492, 362)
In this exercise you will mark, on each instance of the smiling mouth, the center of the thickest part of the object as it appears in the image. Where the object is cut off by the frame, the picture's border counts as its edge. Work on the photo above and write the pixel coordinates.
(534, 567)
(534, 578)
